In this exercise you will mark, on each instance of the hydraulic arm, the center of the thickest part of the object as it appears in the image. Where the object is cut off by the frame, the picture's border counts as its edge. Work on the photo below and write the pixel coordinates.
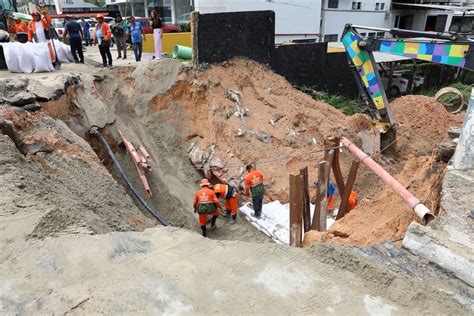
(442, 48)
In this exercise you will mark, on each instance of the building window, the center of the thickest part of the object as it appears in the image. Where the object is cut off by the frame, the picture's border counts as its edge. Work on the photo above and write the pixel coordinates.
(382, 5)
(330, 38)
(380, 34)
(377, 6)
(333, 4)
(356, 5)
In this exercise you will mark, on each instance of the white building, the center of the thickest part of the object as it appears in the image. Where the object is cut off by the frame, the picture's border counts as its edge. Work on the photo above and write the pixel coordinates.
(61, 6)
(294, 19)
(171, 11)
(337, 13)
(424, 16)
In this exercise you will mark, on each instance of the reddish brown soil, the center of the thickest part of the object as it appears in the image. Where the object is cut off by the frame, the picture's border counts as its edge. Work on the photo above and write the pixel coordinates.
(301, 125)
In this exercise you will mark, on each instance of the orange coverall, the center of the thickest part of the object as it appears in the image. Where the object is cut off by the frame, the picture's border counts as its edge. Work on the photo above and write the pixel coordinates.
(204, 199)
(352, 200)
(231, 202)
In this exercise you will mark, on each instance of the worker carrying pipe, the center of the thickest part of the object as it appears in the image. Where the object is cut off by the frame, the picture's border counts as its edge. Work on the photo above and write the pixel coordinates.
(206, 203)
(419, 208)
(231, 197)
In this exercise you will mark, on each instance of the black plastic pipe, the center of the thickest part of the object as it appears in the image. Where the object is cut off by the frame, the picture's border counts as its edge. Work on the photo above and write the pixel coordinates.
(127, 180)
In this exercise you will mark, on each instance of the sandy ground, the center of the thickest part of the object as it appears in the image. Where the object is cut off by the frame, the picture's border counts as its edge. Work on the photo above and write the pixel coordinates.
(182, 115)
(63, 215)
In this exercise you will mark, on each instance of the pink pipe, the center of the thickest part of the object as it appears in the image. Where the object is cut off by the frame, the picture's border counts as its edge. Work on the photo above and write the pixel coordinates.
(136, 158)
(421, 210)
(144, 151)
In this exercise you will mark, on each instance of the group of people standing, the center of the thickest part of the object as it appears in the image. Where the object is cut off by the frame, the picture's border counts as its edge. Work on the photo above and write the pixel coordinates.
(206, 200)
(121, 30)
(39, 30)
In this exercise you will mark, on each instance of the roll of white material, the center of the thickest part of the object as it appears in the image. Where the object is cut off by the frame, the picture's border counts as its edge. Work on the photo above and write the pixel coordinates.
(27, 57)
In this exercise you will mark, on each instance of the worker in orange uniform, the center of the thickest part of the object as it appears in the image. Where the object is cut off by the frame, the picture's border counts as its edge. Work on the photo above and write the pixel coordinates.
(102, 37)
(39, 26)
(20, 29)
(38, 30)
(254, 184)
(206, 203)
(231, 200)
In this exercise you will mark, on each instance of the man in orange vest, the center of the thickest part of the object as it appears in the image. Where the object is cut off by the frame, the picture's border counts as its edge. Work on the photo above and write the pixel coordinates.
(254, 184)
(38, 30)
(206, 203)
(38, 27)
(102, 37)
(20, 29)
(231, 200)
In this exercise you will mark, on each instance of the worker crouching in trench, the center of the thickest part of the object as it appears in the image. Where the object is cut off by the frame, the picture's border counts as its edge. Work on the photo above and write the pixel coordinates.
(231, 197)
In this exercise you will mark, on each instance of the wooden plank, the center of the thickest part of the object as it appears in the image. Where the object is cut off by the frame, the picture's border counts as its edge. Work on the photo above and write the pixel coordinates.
(296, 208)
(320, 190)
(329, 159)
(336, 167)
(344, 207)
(324, 196)
(306, 205)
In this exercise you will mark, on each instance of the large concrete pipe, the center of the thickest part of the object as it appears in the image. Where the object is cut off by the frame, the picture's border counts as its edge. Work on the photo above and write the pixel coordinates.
(419, 208)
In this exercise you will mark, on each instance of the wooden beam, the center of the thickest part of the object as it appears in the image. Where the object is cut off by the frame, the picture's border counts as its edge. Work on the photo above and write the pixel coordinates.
(336, 167)
(296, 208)
(324, 196)
(329, 159)
(320, 193)
(344, 207)
(306, 205)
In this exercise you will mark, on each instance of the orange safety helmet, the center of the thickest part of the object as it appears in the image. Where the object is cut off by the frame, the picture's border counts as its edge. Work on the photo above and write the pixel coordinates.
(204, 182)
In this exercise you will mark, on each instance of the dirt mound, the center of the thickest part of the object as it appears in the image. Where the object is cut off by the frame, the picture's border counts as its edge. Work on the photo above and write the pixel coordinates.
(424, 123)
(219, 119)
(386, 216)
(240, 112)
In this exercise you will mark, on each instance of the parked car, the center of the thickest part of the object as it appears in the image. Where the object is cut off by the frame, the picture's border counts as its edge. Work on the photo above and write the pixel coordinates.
(167, 28)
(58, 25)
(399, 84)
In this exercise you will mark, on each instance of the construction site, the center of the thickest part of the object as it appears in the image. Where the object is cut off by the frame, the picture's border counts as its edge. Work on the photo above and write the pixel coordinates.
(86, 229)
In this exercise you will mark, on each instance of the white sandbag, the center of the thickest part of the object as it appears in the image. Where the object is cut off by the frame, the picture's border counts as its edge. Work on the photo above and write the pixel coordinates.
(42, 58)
(63, 51)
(275, 220)
(27, 57)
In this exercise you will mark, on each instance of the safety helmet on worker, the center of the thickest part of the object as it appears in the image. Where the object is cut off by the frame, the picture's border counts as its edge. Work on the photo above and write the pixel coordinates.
(204, 183)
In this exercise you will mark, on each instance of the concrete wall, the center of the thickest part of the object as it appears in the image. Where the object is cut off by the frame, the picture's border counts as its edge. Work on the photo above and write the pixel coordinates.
(294, 19)
(169, 41)
(306, 64)
(221, 36)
